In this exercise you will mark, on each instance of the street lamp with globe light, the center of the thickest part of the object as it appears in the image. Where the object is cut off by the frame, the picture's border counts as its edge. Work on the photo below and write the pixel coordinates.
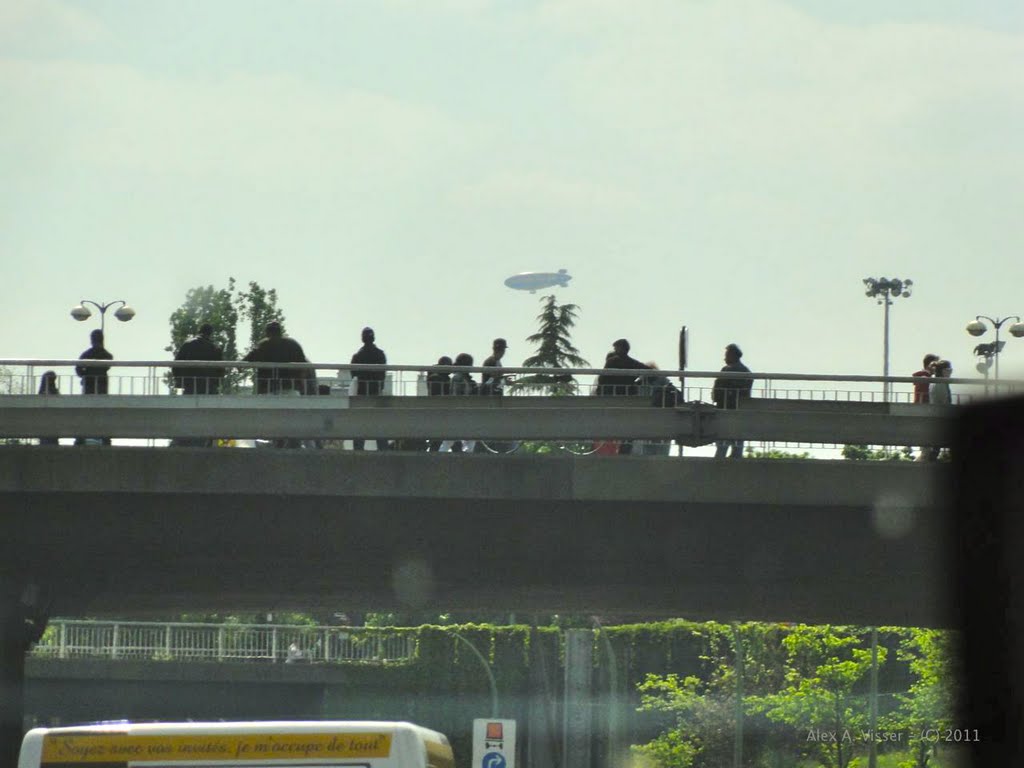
(81, 313)
(990, 351)
(885, 290)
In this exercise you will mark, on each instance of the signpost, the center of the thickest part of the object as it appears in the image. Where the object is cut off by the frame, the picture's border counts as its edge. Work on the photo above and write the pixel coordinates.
(494, 743)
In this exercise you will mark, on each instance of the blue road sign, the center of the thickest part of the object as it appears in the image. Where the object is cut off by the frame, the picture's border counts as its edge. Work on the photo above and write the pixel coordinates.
(493, 760)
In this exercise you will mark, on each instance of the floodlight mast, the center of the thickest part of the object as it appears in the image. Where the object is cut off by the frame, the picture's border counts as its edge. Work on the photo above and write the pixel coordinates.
(882, 289)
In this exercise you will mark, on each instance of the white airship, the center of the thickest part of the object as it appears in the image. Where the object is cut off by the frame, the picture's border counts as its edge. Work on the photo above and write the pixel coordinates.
(532, 281)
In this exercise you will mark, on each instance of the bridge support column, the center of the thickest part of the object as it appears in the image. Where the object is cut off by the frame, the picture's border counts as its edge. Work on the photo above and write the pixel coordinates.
(577, 712)
(22, 621)
(541, 747)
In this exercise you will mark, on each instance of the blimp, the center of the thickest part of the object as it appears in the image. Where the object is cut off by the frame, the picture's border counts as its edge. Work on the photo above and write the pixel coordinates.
(533, 281)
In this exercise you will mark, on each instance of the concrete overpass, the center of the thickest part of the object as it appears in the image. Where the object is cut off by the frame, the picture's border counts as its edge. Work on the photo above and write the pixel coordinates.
(115, 530)
(130, 529)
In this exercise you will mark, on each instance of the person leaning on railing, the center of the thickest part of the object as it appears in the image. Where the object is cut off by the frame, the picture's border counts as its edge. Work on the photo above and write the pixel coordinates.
(275, 347)
(439, 384)
(619, 384)
(462, 383)
(199, 381)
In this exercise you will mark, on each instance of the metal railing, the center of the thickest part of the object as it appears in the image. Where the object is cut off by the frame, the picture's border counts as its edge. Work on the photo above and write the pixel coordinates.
(20, 377)
(274, 643)
(150, 380)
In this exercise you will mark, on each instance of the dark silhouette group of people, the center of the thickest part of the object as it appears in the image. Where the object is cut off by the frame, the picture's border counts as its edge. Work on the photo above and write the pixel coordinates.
(623, 376)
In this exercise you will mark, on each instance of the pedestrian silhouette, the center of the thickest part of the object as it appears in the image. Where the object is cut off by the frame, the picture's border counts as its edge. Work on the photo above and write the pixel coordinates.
(94, 377)
(729, 394)
(199, 381)
(369, 382)
(275, 347)
(48, 387)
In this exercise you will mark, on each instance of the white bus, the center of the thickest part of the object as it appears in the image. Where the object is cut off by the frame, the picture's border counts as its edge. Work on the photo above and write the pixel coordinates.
(334, 744)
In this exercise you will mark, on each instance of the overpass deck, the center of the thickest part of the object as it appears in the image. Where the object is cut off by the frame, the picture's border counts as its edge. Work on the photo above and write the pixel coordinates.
(126, 529)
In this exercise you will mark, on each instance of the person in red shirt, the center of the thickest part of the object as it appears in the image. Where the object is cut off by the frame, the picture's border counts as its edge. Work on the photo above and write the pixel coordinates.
(921, 387)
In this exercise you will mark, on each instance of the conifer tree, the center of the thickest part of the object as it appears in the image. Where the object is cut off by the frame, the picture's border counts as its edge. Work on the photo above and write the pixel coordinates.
(554, 350)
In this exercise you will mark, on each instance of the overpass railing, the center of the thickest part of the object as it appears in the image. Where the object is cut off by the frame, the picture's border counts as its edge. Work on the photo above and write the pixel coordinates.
(786, 410)
(148, 377)
(181, 641)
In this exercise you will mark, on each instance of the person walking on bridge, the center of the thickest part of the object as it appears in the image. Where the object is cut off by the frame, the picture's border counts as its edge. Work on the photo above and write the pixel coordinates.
(492, 382)
(369, 382)
(729, 393)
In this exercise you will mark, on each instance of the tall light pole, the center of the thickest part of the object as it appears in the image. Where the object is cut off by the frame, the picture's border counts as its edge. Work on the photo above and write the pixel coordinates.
(991, 351)
(81, 313)
(885, 290)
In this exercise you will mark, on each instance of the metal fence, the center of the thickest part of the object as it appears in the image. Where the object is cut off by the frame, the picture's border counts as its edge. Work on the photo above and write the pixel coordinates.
(68, 639)
(149, 379)
(22, 377)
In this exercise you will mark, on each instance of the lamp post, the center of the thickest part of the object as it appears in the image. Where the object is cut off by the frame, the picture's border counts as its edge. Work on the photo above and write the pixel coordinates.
(885, 290)
(991, 350)
(81, 313)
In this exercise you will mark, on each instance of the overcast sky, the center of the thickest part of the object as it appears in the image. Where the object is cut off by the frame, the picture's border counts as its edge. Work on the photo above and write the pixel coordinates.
(738, 167)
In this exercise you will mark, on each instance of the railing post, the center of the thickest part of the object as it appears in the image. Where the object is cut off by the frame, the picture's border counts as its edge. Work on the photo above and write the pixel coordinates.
(63, 640)
(114, 640)
(327, 644)
(273, 644)
(220, 643)
(167, 641)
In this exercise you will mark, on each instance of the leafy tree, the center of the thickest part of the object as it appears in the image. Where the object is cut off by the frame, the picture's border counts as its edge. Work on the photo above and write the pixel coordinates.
(931, 700)
(700, 716)
(824, 664)
(259, 307)
(679, 699)
(223, 308)
(554, 350)
(205, 304)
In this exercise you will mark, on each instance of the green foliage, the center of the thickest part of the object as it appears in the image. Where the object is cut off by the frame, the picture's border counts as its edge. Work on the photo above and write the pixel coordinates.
(223, 308)
(930, 702)
(774, 453)
(823, 666)
(205, 304)
(259, 307)
(697, 710)
(883, 453)
(678, 685)
(554, 350)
